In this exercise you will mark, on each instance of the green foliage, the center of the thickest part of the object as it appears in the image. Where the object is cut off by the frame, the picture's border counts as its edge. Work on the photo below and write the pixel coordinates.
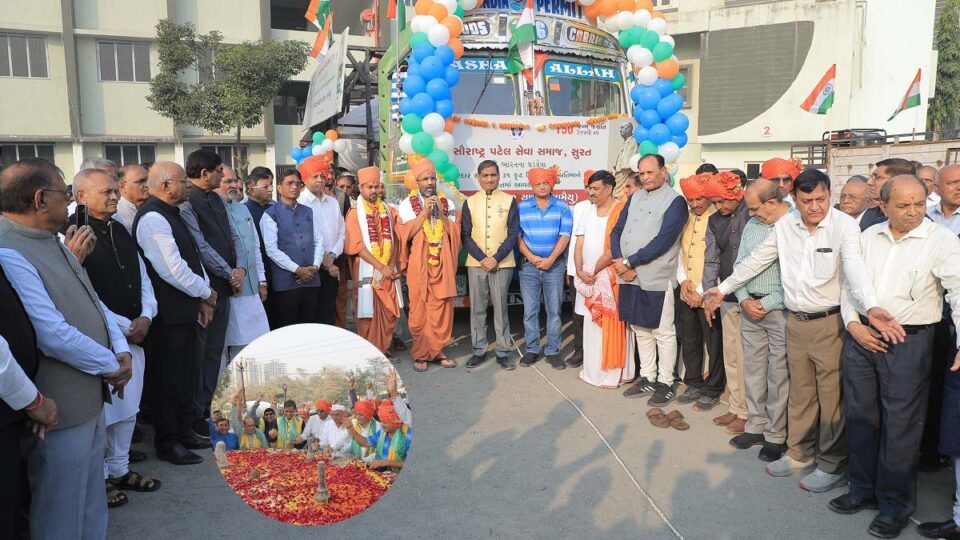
(945, 104)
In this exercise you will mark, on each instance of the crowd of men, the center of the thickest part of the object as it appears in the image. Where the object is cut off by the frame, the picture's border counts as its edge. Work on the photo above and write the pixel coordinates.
(832, 328)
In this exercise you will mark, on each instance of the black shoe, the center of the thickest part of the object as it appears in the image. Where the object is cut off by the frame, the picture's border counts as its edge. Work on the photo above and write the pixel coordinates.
(847, 504)
(689, 395)
(201, 428)
(530, 359)
(746, 440)
(948, 530)
(555, 361)
(476, 360)
(933, 463)
(506, 363)
(194, 443)
(137, 434)
(136, 456)
(664, 395)
(886, 527)
(575, 361)
(642, 388)
(178, 455)
(771, 452)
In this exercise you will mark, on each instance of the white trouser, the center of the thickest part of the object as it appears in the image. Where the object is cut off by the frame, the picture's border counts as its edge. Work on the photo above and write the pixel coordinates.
(116, 463)
(660, 342)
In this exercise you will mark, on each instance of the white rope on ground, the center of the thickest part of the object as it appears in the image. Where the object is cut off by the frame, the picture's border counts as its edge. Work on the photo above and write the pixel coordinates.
(616, 456)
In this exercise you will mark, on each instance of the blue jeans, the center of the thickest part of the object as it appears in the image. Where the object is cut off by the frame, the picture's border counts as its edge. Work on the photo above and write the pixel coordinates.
(533, 282)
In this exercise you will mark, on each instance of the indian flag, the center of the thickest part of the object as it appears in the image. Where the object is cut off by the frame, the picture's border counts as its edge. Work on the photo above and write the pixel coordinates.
(318, 12)
(821, 99)
(912, 99)
(520, 55)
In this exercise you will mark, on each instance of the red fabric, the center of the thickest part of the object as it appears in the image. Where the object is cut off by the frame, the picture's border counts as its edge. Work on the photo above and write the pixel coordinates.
(388, 415)
(324, 405)
(773, 168)
(315, 164)
(724, 185)
(539, 174)
(695, 186)
(364, 407)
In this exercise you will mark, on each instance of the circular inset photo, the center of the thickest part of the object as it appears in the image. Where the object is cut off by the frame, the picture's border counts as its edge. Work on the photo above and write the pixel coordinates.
(313, 424)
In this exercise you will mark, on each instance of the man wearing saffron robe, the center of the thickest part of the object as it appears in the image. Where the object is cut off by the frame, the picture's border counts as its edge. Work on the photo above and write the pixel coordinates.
(429, 237)
(373, 253)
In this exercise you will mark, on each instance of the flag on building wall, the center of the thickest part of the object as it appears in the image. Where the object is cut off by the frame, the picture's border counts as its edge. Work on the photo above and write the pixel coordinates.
(318, 12)
(821, 99)
(911, 99)
(524, 36)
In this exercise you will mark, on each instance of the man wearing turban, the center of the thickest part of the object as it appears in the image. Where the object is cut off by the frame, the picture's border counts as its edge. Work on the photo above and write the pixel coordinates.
(781, 172)
(365, 424)
(429, 237)
(328, 212)
(390, 443)
(372, 247)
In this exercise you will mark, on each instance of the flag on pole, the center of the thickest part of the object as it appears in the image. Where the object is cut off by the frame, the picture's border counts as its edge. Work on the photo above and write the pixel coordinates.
(911, 99)
(524, 36)
(397, 10)
(318, 12)
(821, 99)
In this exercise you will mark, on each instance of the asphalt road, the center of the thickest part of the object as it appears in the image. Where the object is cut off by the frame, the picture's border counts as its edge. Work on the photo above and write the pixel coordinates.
(533, 453)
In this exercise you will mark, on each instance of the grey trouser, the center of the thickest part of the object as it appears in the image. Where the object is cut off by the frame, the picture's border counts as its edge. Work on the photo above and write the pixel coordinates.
(765, 375)
(493, 286)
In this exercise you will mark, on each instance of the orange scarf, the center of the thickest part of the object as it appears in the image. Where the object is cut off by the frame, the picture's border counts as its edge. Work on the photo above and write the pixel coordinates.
(614, 331)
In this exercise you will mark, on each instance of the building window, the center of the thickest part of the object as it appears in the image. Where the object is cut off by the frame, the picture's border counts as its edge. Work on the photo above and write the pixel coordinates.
(124, 61)
(225, 151)
(753, 169)
(23, 56)
(666, 5)
(687, 71)
(953, 156)
(290, 104)
(15, 152)
(130, 154)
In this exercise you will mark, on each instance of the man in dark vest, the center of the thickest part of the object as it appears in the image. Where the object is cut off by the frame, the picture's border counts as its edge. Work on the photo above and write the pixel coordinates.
(80, 345)
(184, 298)
(120, 279)
(206, 216)
(259, 188)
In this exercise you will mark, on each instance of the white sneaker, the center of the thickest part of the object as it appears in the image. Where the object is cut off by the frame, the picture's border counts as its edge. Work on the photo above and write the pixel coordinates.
(787, 466)
(820, 482)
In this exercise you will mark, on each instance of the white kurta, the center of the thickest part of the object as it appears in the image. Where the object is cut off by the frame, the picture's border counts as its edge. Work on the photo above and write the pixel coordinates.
(248, 320)
(594, 231)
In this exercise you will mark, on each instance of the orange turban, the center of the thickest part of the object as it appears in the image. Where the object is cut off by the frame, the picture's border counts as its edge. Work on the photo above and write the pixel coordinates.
(324, 405)
(539, 174)
(422, 167)
(365, 408)
(724, 185)
(586, 176)
(368, 175)
(388, 415)
(316, 164)
(776, 167)
(695, 186)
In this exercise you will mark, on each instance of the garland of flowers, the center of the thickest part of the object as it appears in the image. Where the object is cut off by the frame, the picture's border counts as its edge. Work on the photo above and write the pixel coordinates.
(381, 245)
(540, 127)
(432, 231)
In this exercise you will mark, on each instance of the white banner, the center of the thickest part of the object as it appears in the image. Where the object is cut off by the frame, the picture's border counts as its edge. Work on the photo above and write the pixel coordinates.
(326, 84)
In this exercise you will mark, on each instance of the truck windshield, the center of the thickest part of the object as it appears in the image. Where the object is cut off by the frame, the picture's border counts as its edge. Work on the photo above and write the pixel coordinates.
(485, 87)
(575, 89)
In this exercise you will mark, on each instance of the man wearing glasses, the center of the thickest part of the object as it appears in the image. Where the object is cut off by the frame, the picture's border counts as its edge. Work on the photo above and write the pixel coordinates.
(259, 188)
(883, 172)
(855, 197)
(781, 172)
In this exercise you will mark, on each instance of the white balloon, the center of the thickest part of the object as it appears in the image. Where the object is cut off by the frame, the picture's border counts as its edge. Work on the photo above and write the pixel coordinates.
(451, 5)
(316, 150)
(438, 35)
(674, 170)
(639, 56)
(339, 146)
(647, 76)
(670, 151)
(444, 142)
(608, 24)
(415, 23)
(433, 124)
(427, 22)
(467, 5)
(586, 3)
(668, 39)
(641, 17)
(635, 163)
(624, 20)
(406, 143)
(326, 146)
(658, 25)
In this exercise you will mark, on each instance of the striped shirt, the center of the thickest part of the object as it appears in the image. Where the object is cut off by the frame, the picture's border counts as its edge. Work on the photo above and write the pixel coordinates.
(767, 283)
(542, 229)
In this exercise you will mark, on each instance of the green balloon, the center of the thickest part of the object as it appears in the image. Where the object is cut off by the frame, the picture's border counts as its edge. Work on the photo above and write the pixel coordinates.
(624, 37)
(412, 123)
(649, 39)
(419, 38)
(647, 148)
(679, 81)
(318, 137)
(439, 159)
(452, 174)
(459, 11)
(662, 51)
(422, 143)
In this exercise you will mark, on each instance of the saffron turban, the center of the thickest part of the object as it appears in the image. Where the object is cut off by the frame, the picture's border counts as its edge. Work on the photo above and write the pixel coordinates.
(776, 167)
(368, 175)
(315, 164)
(724, 185)
(324, 405)
(539, 174)
(422, 167)
(388, 415)
(586, 176)
(695, 186)
(364, 408)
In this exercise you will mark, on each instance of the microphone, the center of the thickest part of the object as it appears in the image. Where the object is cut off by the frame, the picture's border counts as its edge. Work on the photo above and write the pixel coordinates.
(436, 209)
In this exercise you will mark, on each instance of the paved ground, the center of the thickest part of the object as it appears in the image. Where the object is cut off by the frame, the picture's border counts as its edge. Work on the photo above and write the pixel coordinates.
(533, 453)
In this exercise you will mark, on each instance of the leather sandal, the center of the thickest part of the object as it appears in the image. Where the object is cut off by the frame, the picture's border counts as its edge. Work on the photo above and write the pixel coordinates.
(676, 421)
(656, 417)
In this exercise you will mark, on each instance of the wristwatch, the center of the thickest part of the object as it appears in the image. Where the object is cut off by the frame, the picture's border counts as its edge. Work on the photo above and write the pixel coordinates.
(626, 262)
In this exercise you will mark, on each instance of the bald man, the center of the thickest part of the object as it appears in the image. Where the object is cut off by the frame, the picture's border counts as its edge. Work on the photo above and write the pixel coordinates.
(855, 198)
(133, 193)
(928, 174)
(184, 297)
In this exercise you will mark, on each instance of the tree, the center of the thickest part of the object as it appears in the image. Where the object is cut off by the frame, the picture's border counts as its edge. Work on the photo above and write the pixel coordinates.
(945, 104)
(241, 79)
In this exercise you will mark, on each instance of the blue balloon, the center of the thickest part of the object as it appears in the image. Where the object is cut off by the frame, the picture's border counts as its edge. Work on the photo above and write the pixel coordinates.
(659, 134)
(438, 89)
(445, 108)
(640, 134)
(637, 112)
(452, 75)
(295, 154)
(670, 105)
(680, 140)
(648, 119)
(422, 104)
(678, 123)
(445, 54)
(414, 84)
(635, 93)
(413, 67)
(406, 104)
(422, 51)
(663, 86)
(649, 97)
(431, 68)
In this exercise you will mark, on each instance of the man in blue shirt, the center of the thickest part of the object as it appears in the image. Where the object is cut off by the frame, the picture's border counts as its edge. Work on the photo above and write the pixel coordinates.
(546, 224)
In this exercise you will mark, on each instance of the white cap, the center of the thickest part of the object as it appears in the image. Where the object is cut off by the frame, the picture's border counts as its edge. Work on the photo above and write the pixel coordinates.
(338, 407)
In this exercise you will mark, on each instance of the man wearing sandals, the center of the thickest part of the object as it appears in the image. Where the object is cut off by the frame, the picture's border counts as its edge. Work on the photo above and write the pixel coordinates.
(120, 279)
(429, 236)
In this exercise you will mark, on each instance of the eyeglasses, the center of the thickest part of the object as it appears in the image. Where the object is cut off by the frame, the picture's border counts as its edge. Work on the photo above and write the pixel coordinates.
(782, 180)
(847, 197)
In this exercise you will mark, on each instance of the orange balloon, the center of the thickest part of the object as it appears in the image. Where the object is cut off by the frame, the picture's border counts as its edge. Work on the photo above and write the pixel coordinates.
(438, 12)
(457, 47)
(422, 7)
(644, 4)
(608, 8)
(410, 181)
(453, 24)
(626, 5)
(449, 126)
(332, 134)
(668, 69)
(592, 11)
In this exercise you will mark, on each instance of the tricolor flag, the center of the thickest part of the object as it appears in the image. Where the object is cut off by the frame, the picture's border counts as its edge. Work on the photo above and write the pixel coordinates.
(524, 35)
(912, 99)
(821, 99)
(318, 12)
(397, 10)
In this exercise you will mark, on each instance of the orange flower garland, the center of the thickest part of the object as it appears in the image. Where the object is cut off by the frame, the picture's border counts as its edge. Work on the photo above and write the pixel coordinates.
(552, 125)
